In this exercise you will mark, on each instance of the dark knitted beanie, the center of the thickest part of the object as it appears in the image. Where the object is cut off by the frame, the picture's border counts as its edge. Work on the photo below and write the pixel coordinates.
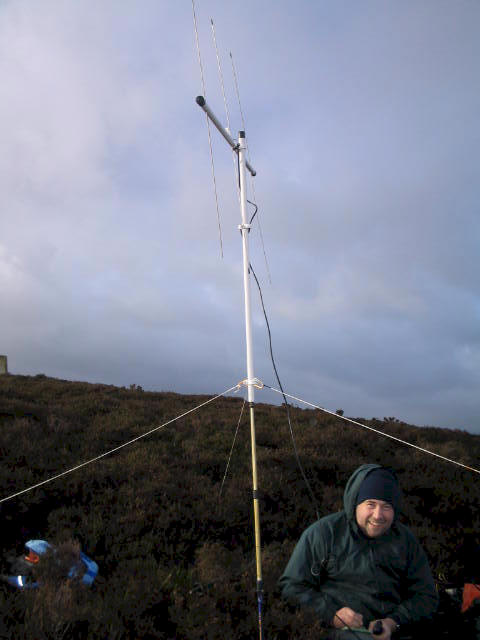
(380, 484)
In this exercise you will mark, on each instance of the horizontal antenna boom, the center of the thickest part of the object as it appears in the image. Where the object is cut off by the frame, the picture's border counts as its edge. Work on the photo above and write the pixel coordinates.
(200, 100)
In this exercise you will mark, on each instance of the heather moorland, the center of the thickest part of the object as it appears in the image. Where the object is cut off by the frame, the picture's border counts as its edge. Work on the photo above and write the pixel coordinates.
(173, 541)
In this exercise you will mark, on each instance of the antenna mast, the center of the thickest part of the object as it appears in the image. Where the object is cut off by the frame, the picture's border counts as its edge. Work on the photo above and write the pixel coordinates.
(240, 149)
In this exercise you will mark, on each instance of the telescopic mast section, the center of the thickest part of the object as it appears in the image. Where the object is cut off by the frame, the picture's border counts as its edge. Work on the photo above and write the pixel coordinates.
(240, 149)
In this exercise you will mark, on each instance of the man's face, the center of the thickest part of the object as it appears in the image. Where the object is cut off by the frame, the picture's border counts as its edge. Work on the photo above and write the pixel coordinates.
(374, 517)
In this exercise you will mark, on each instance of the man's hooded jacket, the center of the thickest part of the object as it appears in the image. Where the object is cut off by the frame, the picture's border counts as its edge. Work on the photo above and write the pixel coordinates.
(335, 565)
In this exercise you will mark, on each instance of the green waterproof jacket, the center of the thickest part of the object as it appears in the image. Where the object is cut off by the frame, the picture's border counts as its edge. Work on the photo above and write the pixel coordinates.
(335, 565)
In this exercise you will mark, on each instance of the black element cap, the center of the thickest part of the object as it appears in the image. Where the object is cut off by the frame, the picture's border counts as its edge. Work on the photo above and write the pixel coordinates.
(241, 134)
(200, 100)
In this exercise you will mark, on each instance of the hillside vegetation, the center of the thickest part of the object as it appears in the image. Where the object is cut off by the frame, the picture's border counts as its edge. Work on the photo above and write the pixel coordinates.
(176, 558)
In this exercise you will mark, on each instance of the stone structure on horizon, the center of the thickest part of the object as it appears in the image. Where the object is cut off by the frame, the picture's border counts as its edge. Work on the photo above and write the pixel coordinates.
(3, 365)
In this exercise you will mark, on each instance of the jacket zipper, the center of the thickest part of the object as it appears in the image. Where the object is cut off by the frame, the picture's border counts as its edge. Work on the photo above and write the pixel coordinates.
(374, 568)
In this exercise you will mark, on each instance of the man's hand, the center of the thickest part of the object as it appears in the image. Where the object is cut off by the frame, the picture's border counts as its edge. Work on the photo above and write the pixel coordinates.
(388, 627)
(349, 617)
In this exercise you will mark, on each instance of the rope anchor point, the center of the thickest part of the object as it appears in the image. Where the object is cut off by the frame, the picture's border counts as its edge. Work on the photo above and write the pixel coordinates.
(256, 382)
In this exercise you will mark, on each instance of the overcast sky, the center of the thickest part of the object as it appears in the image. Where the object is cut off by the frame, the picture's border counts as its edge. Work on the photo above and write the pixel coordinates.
(362, 121)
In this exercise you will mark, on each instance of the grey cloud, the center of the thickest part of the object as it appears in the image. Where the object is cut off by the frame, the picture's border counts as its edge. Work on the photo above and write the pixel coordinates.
(363, 128)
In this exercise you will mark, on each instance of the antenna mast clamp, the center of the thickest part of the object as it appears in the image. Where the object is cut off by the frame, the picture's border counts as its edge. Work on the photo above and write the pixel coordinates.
(244, 227)
(255, 382)
(200, 100)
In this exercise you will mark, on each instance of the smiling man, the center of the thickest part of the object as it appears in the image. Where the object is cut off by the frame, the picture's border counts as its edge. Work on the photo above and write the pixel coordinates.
(360, 568)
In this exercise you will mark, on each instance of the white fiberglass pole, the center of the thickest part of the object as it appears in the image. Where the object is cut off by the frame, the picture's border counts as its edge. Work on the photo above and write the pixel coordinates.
(245, 229)
(240, 149)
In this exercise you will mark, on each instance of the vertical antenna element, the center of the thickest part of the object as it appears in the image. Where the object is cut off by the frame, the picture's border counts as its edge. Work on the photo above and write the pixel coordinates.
(238, 93)
(198, 46)
(208, 130)
(237, 90)
(227, 114)
(221, 77)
